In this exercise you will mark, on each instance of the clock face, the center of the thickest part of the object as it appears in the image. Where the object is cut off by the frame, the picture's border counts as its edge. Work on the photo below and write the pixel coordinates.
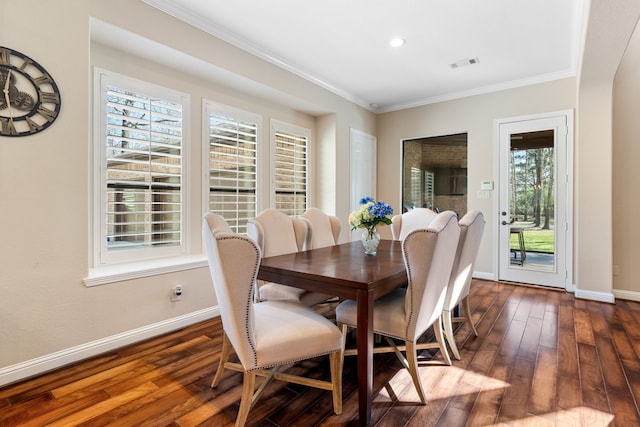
(29, 97)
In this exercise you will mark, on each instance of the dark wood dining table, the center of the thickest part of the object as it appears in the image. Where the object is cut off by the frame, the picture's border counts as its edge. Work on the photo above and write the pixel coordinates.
(347, 272)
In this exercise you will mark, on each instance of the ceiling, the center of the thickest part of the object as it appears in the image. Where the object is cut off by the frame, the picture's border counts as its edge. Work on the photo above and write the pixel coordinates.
(343, 45)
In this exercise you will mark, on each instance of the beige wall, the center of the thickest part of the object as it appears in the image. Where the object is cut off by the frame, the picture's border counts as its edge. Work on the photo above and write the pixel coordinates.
(48, 317)
(475, 115)
(609, 29)
(43, 191)
(626, 173)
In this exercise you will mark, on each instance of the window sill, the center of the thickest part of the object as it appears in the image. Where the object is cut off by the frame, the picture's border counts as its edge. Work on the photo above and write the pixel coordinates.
(123, 272)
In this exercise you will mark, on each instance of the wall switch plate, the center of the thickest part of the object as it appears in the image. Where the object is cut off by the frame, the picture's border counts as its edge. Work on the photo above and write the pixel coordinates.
(486, 185)
(483, 194)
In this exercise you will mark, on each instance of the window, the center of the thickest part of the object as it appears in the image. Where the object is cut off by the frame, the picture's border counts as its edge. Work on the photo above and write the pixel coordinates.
(415, 189)
(428, 189)
(141, 201)
(232, 143)
(290, 175)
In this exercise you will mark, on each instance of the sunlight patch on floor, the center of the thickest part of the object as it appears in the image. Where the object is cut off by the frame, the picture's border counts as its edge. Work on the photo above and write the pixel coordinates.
(429, 376)
(578, 416)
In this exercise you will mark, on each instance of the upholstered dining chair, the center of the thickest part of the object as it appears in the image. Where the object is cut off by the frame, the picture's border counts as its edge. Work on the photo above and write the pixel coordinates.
(406, 313)
(403, 224)
(276, 233)
(264, 335)
(325, 229)
(471, 229)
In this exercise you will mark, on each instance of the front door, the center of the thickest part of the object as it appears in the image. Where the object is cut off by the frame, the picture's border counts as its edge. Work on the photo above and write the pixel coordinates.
(535, 199)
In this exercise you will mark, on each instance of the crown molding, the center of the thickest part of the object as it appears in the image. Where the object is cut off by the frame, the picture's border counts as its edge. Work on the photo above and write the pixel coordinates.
(177, 12)
(479, 91)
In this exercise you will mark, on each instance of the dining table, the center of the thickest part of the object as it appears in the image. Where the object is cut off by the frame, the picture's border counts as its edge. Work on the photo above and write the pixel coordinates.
(345, 271)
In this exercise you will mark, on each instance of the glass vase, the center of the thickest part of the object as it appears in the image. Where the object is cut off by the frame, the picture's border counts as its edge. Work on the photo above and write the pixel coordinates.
(370, 241)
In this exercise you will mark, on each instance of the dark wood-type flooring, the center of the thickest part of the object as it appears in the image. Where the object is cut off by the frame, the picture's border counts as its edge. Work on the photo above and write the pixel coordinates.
(542, 358)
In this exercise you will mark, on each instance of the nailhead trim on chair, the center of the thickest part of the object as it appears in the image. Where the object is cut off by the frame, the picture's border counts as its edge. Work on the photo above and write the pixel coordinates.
(291, 361)
(246, 318)
(404, 254)
(252, 290)
(409, 287)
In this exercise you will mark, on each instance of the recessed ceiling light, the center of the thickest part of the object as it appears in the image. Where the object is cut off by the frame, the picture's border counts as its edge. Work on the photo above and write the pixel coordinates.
(397, 41)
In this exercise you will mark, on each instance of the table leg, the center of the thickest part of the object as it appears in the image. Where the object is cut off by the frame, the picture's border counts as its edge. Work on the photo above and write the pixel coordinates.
(365, 354)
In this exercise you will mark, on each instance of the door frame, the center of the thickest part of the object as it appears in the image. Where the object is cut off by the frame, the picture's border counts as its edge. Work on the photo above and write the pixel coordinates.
(363, 148)
(568, 116)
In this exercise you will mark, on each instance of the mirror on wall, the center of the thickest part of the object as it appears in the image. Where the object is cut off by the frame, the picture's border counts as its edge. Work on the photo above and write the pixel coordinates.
(435, 173)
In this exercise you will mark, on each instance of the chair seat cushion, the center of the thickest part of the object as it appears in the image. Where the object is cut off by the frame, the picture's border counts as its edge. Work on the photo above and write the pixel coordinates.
(277, 292)
(286, 332)
(388, 314)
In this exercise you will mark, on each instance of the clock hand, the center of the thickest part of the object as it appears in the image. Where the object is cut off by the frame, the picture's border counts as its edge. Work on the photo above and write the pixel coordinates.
(6, 94)
(7, 81)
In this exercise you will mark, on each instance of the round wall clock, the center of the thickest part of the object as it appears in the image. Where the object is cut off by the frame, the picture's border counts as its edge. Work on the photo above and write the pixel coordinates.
(29, 98)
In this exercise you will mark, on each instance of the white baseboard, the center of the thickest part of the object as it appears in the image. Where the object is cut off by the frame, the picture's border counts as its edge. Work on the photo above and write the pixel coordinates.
(484, 276)
(39, 365)
(624, 294)
(595, 296)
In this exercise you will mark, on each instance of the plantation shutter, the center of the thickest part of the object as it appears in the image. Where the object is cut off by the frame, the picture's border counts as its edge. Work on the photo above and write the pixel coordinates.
(232, 169)
(144, 170)
(290, 172)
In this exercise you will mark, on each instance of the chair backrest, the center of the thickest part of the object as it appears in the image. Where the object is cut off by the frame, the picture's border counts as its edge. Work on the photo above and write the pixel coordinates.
(325, 229)
(471, 229)
(234, 261)
(403, 224)
(276, 233)
(428, 255)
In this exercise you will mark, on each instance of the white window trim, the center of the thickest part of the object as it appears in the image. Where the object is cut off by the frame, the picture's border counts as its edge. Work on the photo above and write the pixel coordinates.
(109, 268)
(137, 270)
(275, 126)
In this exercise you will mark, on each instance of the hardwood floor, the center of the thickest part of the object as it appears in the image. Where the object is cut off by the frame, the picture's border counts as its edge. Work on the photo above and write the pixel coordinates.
(542, 358)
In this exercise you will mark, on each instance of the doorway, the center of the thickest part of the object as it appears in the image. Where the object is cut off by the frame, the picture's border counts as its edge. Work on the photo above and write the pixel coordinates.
(434, 173)
(535, 199)
(362, 166)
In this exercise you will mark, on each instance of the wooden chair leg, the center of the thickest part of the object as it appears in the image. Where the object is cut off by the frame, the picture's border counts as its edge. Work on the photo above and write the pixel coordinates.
(437, 329)
(412, 361)
(248, 383)
(467, 312)
(448, 332)
(224, 358)
(345, 330)
(335, 360)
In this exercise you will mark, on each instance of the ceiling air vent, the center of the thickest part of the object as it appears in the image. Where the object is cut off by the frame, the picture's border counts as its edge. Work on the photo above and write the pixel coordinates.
(464, 62)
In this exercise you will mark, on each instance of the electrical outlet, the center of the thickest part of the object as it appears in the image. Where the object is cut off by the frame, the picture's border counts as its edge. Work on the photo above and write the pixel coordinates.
(176, 293)
(483, 194)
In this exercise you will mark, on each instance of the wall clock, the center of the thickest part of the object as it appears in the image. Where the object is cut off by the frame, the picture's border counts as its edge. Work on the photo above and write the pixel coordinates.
(29, 97)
